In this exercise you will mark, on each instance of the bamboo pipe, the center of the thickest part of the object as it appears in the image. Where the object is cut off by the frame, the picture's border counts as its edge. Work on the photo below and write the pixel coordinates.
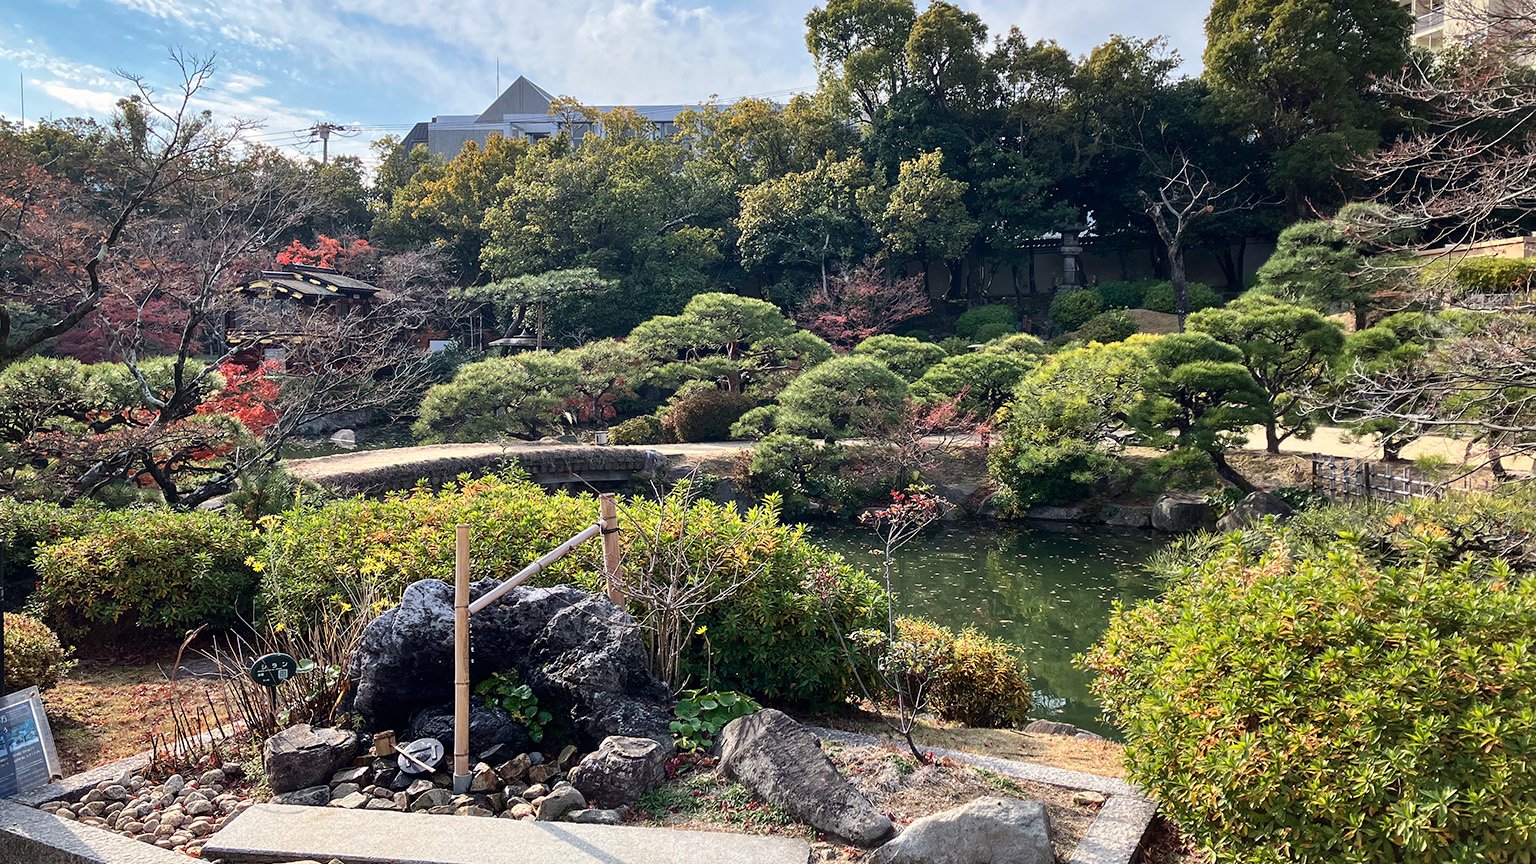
(461, 776)
(609, 508)
(533, 569)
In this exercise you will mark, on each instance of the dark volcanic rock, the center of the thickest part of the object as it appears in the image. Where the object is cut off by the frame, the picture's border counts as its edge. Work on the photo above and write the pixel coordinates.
(581, 654)
(301, 757)
(620, 771)
(1253, 509)
(780, 761)
(487, 727)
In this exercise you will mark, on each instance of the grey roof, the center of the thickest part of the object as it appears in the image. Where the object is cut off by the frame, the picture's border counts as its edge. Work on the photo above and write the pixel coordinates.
(303, 282)
(522, 97)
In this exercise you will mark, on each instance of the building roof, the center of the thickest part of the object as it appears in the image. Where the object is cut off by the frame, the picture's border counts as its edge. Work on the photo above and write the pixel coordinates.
(308, 283)
(523, 97)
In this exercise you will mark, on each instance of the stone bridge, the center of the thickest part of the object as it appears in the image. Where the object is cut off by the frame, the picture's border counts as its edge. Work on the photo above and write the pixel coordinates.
(571, 466)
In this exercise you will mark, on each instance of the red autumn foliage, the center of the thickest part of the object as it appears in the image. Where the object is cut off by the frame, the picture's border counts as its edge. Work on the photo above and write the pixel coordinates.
(863, 303)
(327, 252)
(249, 395)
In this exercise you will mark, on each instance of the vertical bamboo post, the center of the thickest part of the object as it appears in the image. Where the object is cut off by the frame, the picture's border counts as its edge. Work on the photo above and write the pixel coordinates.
(608, 508)
(461, 775)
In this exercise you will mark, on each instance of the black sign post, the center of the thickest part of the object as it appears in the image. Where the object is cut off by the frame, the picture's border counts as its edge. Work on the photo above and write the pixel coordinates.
(270, 670)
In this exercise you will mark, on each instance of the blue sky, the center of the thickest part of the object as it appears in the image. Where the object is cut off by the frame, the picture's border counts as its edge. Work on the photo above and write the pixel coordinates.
(384, 64)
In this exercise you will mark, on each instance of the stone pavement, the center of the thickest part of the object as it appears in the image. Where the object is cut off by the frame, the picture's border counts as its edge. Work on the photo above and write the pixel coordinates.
(275, 832)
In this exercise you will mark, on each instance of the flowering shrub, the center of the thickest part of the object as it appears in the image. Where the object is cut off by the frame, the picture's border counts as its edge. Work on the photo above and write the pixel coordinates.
(1327, 708)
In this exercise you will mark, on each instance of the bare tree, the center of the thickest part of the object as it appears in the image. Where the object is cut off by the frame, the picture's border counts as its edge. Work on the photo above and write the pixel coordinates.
(1185, 196)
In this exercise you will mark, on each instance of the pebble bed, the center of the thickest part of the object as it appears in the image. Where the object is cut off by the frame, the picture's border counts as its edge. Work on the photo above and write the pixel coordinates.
(178, 814)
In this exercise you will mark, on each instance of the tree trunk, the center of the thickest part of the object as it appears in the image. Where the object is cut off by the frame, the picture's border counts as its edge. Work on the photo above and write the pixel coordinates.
(1180, 283)
(1225, 471)
(1272, 436)
(1392, 448)
(1362, 317)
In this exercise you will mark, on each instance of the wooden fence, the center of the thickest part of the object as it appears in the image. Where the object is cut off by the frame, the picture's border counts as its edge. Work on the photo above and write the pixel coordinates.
(1338, 478)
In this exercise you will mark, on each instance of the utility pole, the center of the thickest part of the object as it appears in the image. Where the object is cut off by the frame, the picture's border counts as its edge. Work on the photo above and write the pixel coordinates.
(323, 132)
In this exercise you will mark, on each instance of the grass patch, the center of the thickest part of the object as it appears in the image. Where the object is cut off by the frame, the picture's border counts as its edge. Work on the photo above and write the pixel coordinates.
(705, 797)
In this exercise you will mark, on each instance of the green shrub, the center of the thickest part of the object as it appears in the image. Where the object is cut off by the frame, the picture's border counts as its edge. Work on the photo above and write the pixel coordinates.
(1073, 308)
(987, 379)
(956, 345)
(981, 681)
(1323, 709)
(34, 657)
(989, 332)
(905, 356)
(637, 430)
(1018, 343)
(505, 396)
(972, 320)
(756, 424)
(701, 716)
(1180, 470)
(1160, 298)
(155, 569)
(26, 525)
(1106, 327)
(707, 415)
(1124, 295)
(801, 472)
(772, 638)
(844, 396)
(1489, 275)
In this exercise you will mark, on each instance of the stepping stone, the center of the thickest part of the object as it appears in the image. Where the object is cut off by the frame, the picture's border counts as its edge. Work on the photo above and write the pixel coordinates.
(275, 832)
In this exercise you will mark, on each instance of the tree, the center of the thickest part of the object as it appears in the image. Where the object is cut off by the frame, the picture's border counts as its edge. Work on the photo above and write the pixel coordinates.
(925, 216)
(1296, 73)
(843, 397)
(740, 344)
(809, 222)
(570, 293)
(904, 355)
(1389, 349)
(606, 374)
(518, 397)
(862, 303)
(1062, 412)
(1185, 196)
(859, 47)
(1324, 263)
(1288, 350)
(982, 381)
(1199, 397)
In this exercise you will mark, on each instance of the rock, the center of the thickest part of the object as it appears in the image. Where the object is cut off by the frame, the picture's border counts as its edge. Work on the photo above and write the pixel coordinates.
(487, 726)
(544, 773)
(351, 775)
(1051, 727)
(537, 790)
(200, 807)
(1181, 514)
(514, 769)
(581, 655)
(779, 760)
(620, 770)
(1085, 798)
(314, 796)
(353, 801)
(1057, 514)
(118, 793)
(300, 756)
(342, 790)
(473, 810)
(557, 803)
(595, 817)
(382, 804)
(522, 811)
(1126, 516)
(174, 784)
(431, 798)
(1253, 509)
(344, 437)
(417, 787)
(211, 777)
(984, 831)
(484, 779)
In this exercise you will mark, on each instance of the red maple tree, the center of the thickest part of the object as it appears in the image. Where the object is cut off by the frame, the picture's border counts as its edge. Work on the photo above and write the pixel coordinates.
(249, 395)
(862, 303)
(327, 252)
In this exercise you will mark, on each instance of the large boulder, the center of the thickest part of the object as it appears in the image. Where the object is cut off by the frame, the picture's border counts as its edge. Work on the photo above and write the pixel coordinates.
(1181, 514)
(301, 757)
(580, 653)
(780, 761)
(620, 770)
(488, 727)
(1252, 509)
(985, 831)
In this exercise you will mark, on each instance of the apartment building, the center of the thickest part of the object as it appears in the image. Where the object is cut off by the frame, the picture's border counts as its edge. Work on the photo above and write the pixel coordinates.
(1438, 23)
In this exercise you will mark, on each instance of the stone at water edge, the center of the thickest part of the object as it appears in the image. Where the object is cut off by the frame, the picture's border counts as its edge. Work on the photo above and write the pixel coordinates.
(1252, 509)
(620, 771)
(1182, 514)
(985, 831)
(300, 756)
(780, 762)
(1052, 727)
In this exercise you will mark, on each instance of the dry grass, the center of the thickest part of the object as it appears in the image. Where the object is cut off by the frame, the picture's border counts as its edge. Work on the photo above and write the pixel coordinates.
(107, 709)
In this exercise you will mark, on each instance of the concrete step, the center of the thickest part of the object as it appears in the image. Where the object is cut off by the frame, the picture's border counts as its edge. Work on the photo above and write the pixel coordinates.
(269, 833)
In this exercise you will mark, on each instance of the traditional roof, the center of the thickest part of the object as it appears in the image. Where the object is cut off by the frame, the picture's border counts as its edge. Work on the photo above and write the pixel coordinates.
(307, 283)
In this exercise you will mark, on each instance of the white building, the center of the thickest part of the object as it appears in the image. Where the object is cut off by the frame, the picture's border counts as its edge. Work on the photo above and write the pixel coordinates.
(521, 111)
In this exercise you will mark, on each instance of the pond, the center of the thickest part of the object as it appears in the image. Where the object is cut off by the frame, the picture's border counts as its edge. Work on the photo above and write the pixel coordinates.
(1047, 590)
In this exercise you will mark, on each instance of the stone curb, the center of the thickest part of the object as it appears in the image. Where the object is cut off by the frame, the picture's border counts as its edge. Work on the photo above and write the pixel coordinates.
(34, 837)
(1114, 836)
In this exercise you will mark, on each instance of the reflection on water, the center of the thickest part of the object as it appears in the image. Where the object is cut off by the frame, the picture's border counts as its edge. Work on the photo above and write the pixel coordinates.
(1047, 591)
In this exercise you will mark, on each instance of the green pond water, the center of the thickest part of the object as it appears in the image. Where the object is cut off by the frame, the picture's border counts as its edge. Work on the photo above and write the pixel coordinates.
(1046, 590)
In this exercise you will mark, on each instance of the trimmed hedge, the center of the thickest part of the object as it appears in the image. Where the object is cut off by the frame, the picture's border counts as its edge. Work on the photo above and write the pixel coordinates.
(1325, 709)
(707, 415)
(1074, 308)
(34, 657)
(149, 568)
(645, 429)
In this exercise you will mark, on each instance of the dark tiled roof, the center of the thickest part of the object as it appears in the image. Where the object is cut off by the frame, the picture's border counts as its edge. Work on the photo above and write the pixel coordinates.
(302, 282)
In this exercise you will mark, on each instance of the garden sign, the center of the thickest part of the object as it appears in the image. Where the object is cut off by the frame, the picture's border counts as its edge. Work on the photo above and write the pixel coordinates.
(270, 670)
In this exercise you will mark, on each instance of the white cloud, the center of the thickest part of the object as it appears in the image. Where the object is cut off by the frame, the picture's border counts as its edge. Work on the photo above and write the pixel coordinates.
(99, 102)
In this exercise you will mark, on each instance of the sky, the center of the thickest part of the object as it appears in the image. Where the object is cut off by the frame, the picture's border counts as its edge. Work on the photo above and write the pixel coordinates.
(380, 65)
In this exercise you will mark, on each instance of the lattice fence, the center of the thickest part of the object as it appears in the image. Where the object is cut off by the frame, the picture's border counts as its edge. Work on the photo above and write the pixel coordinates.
(1338, 478)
